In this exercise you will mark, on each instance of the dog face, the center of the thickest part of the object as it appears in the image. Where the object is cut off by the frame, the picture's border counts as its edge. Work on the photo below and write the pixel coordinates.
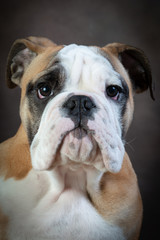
(77, 101)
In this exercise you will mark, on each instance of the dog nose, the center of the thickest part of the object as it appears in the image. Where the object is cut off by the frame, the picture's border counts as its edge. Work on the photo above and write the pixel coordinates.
(79, 106)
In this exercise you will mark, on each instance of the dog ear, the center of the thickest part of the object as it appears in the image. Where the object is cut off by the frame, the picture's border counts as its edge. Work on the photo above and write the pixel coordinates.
(136, 63)
(20, 56)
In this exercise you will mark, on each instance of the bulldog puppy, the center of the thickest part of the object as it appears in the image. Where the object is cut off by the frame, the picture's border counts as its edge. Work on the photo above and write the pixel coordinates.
(65, 175)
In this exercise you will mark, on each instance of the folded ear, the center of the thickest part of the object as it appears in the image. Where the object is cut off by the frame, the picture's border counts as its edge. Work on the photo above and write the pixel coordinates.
(136, 63)
(23, 51)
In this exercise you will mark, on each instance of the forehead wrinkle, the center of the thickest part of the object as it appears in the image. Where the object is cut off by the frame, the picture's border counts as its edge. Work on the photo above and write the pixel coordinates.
(77, 68)
(86, 66)
(82, 69)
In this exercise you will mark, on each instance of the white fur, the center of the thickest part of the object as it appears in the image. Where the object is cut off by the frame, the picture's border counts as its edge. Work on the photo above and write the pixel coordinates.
(53, 205)
(89, 73)
(87, 69)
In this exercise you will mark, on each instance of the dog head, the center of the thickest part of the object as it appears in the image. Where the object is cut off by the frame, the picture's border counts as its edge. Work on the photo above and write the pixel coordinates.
(77, 101)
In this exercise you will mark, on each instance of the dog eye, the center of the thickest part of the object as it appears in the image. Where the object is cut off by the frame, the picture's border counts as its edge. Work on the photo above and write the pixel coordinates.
(44, 91)
(113, 92)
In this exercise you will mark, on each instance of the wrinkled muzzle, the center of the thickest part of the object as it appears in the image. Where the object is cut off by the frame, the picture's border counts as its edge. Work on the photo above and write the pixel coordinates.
(78, 130)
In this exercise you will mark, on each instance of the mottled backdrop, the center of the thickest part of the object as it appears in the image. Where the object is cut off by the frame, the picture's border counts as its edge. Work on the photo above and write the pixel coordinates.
(93, 22)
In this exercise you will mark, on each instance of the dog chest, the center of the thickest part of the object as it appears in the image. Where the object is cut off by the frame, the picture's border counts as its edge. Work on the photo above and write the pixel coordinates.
(43, 206)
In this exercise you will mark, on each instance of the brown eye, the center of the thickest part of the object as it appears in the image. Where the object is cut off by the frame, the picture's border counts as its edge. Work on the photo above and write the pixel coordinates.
(45, 91)
(113, 91)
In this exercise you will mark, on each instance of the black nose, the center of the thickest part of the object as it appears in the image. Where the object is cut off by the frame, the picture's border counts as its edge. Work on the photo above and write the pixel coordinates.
(79, 107)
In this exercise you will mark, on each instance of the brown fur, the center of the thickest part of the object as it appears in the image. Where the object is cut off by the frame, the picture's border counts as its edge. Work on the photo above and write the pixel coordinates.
(118, 199)
(15, 156)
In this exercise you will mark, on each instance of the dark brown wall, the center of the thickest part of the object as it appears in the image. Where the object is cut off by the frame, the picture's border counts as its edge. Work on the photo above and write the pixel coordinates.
(98, 22)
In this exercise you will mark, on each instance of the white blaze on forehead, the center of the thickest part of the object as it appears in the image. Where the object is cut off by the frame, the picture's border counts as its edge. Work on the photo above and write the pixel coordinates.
(86, 68)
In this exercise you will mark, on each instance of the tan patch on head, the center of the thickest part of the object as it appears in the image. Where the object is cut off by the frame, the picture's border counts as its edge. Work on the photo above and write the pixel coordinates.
(121, 70)
(33, 72)
(38, 65)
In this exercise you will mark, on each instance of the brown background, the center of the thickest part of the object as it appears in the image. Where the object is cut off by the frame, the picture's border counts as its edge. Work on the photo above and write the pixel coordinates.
(96, 23)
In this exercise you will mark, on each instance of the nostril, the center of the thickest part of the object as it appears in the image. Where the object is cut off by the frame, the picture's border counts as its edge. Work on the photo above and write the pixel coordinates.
(72, 104)
(88, 104)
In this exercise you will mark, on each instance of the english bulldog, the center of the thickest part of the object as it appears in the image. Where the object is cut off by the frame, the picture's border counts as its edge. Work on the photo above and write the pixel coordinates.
(65, 175)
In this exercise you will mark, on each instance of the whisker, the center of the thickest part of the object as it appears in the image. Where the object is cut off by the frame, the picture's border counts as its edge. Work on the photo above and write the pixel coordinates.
(128, 143)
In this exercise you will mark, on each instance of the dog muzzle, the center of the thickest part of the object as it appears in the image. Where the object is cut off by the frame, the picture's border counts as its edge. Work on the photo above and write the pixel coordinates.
(78, 130)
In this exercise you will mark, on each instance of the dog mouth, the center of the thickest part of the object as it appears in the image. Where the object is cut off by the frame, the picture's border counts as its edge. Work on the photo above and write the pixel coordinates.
(79, 132)
(79, 147)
